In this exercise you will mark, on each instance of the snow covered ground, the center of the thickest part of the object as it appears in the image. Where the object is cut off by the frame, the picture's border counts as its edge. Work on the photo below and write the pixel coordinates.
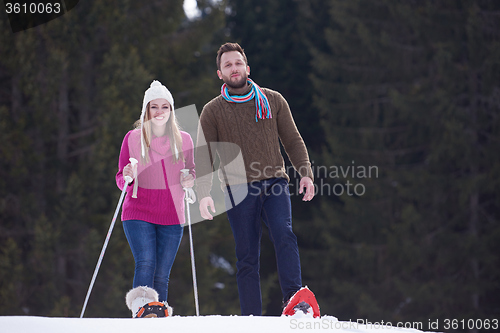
(205, 324)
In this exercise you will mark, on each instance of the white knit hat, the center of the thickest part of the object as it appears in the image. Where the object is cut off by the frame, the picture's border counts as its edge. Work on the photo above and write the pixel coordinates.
(156, 90)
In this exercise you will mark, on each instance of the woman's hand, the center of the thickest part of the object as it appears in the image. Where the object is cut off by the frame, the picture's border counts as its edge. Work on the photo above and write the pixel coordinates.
(187, 181)
(128, 170)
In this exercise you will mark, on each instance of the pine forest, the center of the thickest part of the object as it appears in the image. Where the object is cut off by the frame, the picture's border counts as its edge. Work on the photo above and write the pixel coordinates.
(398, 103)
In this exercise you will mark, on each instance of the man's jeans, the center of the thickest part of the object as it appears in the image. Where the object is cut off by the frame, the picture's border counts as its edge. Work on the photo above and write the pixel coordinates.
(154, 248)
(268, 200)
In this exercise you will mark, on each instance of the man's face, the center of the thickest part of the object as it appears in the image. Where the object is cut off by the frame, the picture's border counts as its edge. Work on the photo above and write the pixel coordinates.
(233, 69)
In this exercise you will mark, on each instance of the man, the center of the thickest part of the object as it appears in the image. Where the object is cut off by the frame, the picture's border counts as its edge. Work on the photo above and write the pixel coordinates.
(255, 120)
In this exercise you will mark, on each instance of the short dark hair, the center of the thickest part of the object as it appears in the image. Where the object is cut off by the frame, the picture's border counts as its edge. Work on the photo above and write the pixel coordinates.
(228, 47)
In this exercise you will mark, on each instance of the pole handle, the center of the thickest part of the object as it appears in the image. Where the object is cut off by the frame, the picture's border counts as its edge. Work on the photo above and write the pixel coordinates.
(190, 197)
(133, 161)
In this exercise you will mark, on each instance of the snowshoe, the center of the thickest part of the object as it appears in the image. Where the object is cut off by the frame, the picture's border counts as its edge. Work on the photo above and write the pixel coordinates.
(143, 303)
(302, 301)
(153, 310)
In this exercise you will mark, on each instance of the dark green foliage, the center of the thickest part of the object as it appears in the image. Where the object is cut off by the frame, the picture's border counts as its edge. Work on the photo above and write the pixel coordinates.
(275, 36)
(409, 88)
(70, 91)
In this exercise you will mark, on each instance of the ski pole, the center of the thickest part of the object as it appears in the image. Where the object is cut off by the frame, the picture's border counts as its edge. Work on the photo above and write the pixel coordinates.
(189, 200)
(128, 180)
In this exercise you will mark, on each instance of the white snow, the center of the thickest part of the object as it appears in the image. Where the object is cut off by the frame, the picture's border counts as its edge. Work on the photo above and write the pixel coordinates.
(205, 324)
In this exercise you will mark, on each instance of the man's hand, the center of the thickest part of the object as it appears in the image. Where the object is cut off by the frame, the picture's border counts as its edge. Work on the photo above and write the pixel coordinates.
(308, 184)
(204, 204)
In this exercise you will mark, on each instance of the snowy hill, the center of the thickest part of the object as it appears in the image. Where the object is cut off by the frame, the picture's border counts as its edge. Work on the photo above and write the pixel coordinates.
(205, 324)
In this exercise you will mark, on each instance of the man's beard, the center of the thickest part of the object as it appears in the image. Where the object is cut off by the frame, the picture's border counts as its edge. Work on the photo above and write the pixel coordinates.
(238, 84)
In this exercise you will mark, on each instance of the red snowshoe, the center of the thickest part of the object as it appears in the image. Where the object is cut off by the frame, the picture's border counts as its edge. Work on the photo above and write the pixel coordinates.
(153, 310)
(143, 303)
(304, 301)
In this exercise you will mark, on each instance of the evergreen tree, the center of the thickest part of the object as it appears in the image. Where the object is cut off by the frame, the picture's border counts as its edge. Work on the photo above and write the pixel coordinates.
(275, 37)
(409, 88)
(70, 91)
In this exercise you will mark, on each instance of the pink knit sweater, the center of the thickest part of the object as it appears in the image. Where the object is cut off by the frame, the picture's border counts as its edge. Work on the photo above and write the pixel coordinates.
(160, 197)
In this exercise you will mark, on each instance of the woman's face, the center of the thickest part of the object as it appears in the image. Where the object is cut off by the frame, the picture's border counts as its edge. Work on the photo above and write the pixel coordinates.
(159, 111)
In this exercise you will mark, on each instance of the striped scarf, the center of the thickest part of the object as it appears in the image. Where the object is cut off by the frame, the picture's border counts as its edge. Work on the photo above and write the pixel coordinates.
(263, 110)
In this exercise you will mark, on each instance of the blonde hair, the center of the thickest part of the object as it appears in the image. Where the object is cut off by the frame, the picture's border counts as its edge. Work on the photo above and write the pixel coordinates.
(172, 131)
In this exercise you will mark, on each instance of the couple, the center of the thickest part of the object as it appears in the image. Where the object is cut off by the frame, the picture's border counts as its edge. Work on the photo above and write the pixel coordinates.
(247, 115)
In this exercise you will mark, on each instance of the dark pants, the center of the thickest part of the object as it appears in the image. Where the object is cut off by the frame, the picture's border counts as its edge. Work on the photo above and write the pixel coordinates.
(154, 248)
(269, 201)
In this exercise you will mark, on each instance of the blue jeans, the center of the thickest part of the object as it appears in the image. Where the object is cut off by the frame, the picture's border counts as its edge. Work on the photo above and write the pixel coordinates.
(267, 200)
(154, 248)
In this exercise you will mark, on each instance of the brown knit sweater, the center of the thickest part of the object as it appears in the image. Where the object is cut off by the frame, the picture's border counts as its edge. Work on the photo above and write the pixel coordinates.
(230, 128)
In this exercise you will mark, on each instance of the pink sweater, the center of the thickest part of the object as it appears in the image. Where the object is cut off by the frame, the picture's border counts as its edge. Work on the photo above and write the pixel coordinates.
(160, 197)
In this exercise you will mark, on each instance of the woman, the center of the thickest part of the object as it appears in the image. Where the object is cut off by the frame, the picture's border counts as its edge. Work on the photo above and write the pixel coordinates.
(153, 209)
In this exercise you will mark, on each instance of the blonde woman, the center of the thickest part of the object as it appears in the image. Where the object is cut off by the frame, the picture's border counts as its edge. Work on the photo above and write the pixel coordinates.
(153, 209)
